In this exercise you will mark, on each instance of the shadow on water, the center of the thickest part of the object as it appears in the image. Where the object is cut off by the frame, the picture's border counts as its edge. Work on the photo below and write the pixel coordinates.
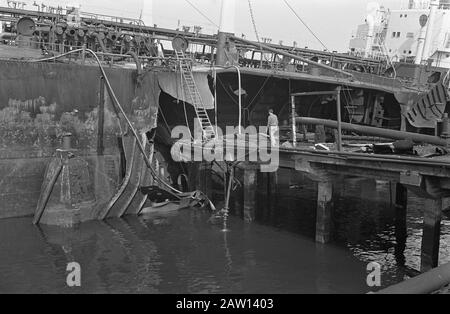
(178, 253)
(364, 221)
(182, 252)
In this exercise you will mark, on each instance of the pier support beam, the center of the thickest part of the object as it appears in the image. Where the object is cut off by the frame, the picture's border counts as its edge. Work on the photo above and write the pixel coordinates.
(205, 179)
(431, 234)
(194, 176)
(272, 189)
(268, 185)
(238, 196)
(250, 185)
(401, 230)
(324, 208)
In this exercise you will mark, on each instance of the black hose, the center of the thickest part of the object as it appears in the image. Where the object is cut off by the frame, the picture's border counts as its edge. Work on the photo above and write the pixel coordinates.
(393, 134)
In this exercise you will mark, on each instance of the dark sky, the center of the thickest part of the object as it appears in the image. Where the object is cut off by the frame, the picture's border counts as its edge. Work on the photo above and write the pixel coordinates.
(333, 21)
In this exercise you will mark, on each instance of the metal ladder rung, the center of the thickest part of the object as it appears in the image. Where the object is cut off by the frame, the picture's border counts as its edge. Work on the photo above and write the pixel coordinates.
(194, 95)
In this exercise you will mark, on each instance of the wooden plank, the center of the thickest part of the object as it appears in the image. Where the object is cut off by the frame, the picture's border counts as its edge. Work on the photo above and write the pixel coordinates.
(324, 208)
(51, 177)
(431, 234)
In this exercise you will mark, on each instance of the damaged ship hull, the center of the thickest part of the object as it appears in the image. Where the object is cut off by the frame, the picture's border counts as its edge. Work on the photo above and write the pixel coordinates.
(40, 102)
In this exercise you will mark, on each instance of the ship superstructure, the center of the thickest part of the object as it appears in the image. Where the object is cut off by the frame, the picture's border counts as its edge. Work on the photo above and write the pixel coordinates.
(417, 34)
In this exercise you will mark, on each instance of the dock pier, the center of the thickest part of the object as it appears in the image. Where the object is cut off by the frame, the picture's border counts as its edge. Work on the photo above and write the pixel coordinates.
(429, 179)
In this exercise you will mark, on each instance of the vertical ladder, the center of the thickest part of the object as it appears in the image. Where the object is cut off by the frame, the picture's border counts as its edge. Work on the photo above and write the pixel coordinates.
(191, 91)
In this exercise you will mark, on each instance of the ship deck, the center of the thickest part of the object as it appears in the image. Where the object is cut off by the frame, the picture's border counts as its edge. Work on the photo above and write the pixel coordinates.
(359, 80)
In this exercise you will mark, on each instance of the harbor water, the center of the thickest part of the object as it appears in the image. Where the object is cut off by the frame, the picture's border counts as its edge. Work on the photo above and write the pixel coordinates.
(183, 252)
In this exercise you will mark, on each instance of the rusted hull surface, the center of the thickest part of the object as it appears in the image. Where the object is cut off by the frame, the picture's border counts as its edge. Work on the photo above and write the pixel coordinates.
(20, 185)
(41, 101)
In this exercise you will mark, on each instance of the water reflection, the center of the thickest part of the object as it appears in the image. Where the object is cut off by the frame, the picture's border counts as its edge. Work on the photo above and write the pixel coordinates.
(365, 221)
(184, 253)
(179, 253)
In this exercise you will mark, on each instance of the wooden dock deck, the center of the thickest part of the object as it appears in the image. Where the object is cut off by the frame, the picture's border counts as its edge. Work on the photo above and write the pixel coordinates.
(428, 178)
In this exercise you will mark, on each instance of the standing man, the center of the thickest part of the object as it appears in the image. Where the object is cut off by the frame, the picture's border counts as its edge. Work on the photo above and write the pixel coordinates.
(272, 126)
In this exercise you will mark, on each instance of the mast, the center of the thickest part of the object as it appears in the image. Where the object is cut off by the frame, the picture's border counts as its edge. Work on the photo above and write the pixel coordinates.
(429, 34)
(226, 28)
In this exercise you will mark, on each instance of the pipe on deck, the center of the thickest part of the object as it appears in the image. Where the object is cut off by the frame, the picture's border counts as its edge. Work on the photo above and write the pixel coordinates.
(7, 36)
(289, 55)
(367, 130)
(426, 283)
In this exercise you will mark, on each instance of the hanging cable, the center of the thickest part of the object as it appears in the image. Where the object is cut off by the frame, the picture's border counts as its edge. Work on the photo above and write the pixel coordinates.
(165, 120)
(304, 23)
(201, 13)
(252, 15)
(259, 91)
(227, 92)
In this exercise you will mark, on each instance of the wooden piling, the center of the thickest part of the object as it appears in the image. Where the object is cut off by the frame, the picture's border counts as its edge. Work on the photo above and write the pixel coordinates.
(250, 185)
(324, 208)
(205, 179)
(194, 176)
(273, 185)
(431, 234)
(238, 196)
(273, 193)
(267, 195)
(401, 231)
